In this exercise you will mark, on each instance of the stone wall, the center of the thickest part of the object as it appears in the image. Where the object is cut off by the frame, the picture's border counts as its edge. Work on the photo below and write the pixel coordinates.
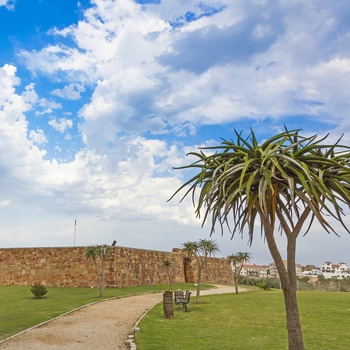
(68, 267)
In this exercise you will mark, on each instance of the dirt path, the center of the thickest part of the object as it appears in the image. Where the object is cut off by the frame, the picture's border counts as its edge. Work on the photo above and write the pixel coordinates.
(105, 325)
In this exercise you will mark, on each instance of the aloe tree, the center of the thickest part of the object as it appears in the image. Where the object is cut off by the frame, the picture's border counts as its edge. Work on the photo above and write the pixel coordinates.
(287, 182)
(237, 261)
(201, 250)
(99, 253)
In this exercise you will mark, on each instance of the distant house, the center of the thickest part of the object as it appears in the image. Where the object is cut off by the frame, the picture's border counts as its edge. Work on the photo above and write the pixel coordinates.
(273, 268)
(329, 270)
(327, 267)
(312, 272)
(342, 267)
(252, 270)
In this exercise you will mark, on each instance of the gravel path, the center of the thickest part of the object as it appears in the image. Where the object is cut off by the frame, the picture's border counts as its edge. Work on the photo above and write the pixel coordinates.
(105, 325)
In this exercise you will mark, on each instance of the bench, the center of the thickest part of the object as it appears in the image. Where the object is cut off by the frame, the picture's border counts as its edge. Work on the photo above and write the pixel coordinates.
(181, 298)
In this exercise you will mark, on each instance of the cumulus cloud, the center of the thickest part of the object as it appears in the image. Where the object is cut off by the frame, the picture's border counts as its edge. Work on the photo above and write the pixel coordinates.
(132, 181)
(156, 72)
(162, 65)
(61, 62)
(45, 106)
(9, 4)
(198, 50)
(38, 136)
(170, 67)
(69, 92)
(21, 155)
(61, 124)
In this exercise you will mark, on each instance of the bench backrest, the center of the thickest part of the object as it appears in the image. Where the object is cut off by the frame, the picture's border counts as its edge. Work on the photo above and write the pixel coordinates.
(187, 295)
(178, 296)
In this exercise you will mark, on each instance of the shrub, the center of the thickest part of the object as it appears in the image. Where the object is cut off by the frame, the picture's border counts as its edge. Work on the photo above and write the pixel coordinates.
(264, 286)
(273, 282)
(38, 290)
(303, 279)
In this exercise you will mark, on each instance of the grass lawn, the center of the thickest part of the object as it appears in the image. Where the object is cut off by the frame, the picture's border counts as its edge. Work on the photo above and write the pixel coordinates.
(250, 320)
(19, 310)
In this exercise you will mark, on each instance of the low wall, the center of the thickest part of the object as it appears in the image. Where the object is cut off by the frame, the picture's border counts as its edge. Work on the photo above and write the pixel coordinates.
(68, 267)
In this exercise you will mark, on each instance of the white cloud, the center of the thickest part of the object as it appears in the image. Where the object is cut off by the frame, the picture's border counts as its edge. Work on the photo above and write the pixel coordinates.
(69, 92)
(61, 124)
(221, 62)
(131, 181)
(21, 154)
(9, 4)
(38, 136)
(254, 61)
(8, 82)
(231, 59)
(29, 94)
(58, 61)
(45, 106)
(5, 203)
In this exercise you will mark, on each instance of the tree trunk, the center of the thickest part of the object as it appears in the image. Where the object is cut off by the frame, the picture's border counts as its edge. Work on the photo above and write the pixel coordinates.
(199, 284)
(295, 338)
(288, 282)
(169, 278)
(236, 282)
(98, 278)
(102, 285)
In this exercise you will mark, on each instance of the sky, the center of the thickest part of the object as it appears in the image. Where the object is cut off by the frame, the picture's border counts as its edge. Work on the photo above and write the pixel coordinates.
(100, 100)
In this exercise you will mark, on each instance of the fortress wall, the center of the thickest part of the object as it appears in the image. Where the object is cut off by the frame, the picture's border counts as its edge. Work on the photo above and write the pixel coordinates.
(68, 267)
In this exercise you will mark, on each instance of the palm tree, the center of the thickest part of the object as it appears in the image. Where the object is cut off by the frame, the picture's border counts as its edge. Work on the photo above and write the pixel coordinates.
(167, 264)
(99, 252)
(91, 253)
(237, 261)
(287, 182)
(201, 250)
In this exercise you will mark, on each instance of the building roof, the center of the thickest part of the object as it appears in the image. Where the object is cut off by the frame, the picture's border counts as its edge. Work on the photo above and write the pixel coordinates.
(254, 266)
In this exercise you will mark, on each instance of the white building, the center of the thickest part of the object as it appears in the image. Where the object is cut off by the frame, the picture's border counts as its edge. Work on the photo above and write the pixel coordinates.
(329, 270)
(312, 272)
(273, 268)
(252, 270)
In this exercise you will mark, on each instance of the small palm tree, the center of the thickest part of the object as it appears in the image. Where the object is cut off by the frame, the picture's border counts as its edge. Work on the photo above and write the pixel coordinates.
(99, 252)
(237, 261)
(201, 250)
(167, 264)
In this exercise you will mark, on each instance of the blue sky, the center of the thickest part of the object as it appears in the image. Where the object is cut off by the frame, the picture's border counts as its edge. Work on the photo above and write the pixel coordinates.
(99, 100)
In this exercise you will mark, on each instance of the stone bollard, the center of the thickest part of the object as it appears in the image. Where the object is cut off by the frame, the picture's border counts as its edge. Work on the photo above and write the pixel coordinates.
(168, 305)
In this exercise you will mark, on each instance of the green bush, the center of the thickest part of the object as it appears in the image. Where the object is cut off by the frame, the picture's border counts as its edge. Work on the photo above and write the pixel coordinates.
(264, 286)
(38, 290)
(303, 279)
(272, 282)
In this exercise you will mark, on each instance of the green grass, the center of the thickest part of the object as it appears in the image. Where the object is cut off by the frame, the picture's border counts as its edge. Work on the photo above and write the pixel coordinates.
(19, 310)
(250, 320)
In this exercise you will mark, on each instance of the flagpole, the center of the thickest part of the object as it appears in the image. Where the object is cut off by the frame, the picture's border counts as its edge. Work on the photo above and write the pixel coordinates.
(75, 230)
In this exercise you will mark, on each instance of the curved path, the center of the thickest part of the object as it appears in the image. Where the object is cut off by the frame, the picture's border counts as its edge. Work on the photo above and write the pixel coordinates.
(104, 325)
